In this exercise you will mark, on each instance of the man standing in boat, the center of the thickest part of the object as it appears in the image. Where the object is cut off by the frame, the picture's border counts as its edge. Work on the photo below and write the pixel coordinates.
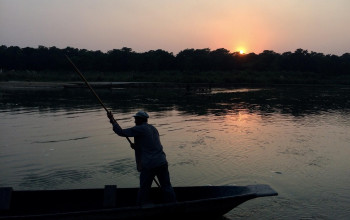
(150, 157)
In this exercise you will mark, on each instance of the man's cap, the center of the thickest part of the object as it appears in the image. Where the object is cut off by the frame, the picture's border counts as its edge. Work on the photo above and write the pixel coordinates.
(141, 114)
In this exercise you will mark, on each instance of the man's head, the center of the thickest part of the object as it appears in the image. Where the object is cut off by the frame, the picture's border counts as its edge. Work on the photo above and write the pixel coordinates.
(141, 117)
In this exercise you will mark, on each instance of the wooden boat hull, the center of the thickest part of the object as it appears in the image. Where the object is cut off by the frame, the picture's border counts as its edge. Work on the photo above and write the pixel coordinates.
(193, 202)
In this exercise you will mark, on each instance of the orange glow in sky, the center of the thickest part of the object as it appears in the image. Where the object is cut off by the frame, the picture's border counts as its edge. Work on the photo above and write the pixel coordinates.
(251, 26)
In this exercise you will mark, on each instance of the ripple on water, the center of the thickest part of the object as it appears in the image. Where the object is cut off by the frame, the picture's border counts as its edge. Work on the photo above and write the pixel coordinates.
(54, 178)
(57, 141)
(123, 166)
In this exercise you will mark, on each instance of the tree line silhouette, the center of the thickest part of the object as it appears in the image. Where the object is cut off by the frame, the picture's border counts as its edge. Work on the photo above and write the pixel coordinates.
(197, 60)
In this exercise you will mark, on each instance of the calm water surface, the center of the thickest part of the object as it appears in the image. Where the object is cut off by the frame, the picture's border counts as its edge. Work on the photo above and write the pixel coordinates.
(296, 139)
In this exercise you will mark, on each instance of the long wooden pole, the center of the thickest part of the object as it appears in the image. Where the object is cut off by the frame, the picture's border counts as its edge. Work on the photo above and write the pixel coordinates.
(91, 89)
(98, 98)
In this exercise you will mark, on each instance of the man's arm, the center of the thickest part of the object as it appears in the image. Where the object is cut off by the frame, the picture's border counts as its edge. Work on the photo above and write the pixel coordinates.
(129, 132)
(116, 127)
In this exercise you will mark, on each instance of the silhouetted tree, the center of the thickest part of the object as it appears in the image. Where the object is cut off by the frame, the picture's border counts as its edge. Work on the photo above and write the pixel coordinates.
(158, 60)
(221, 59)
(192, 60)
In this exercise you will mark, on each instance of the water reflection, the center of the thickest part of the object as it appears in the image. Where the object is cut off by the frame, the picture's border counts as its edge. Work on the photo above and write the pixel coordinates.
(296, 101)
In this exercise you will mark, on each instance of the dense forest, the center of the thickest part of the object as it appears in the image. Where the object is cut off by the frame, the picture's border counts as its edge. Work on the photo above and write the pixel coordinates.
(197, 61)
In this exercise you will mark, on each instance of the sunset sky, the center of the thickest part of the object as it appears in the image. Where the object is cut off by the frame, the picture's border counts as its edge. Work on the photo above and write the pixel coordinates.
(174, 25)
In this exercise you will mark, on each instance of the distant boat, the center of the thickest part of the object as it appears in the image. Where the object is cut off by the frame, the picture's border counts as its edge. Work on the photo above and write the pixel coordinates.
(195, 202)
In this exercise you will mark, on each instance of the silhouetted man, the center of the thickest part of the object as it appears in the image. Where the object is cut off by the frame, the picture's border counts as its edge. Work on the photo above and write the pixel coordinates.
(150, 157)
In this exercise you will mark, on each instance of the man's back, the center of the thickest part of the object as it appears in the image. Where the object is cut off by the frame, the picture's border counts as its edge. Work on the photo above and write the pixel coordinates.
(148, 142)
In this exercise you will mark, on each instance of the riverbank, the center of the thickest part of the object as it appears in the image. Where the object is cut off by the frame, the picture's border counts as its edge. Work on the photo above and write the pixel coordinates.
(190, 87)
(187, 87)
(171, 78)
(103, 85)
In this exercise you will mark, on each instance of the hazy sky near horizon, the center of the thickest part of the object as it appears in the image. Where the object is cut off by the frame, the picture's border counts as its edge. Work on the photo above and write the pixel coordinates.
(174, 25)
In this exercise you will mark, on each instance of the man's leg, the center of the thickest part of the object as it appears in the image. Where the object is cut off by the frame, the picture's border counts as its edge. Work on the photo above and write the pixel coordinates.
(146, 179)
(162, 173)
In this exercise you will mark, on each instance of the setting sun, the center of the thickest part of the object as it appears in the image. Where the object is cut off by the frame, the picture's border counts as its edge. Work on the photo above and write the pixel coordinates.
(240, 50)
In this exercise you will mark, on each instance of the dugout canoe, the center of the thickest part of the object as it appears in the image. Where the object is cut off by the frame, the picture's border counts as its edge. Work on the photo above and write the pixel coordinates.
(196, 202)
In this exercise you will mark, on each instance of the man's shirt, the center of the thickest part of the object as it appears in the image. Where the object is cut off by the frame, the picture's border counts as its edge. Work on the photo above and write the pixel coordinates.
(147, 144)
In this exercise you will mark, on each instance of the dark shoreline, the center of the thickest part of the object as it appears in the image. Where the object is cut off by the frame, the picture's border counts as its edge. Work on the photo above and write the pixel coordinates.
(116, 85)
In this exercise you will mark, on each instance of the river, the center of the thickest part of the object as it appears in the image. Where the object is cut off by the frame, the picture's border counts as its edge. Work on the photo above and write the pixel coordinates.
(294, 138)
